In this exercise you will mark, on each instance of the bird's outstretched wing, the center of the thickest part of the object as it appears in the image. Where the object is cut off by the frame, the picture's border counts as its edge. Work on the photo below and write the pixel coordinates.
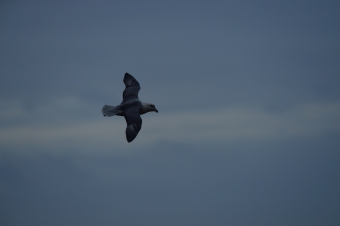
(134, 123)
(132, 88)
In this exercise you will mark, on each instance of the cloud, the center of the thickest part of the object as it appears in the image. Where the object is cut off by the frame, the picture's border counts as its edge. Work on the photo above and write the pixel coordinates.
(62, 128)
(244, 123)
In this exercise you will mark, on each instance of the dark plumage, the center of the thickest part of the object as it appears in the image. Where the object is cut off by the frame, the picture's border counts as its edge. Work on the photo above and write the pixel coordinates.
(131, 108)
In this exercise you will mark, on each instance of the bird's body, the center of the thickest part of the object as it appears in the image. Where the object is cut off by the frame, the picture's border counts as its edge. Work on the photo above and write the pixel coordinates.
(131, 107)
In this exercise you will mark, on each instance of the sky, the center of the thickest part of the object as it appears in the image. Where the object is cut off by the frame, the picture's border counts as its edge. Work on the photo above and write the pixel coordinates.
(249, 113)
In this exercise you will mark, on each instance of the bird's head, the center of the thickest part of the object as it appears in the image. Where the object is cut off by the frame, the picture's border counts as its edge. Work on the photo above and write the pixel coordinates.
(148, 107)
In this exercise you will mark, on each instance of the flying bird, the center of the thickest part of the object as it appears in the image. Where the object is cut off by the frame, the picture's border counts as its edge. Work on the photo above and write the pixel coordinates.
(131, 108)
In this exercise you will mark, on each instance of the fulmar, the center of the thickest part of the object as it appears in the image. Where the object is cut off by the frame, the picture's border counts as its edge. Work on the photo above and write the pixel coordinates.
(131, 108)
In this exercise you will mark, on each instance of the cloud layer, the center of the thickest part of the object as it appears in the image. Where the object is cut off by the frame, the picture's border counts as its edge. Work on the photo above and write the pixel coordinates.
(48, 128)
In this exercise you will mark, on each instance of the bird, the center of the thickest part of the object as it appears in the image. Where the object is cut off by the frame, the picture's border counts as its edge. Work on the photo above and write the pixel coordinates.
(131, 108)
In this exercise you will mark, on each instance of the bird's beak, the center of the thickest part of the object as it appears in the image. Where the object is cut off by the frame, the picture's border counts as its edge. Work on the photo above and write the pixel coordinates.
(156, 110)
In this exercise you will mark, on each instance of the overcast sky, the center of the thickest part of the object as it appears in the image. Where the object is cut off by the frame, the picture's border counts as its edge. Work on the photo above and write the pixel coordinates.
(249, 113)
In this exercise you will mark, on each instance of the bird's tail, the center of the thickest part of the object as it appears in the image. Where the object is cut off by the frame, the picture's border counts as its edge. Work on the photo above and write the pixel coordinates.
(109, 111)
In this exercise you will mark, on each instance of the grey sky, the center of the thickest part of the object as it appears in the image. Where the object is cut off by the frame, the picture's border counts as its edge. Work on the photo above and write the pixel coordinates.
(248, 124)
